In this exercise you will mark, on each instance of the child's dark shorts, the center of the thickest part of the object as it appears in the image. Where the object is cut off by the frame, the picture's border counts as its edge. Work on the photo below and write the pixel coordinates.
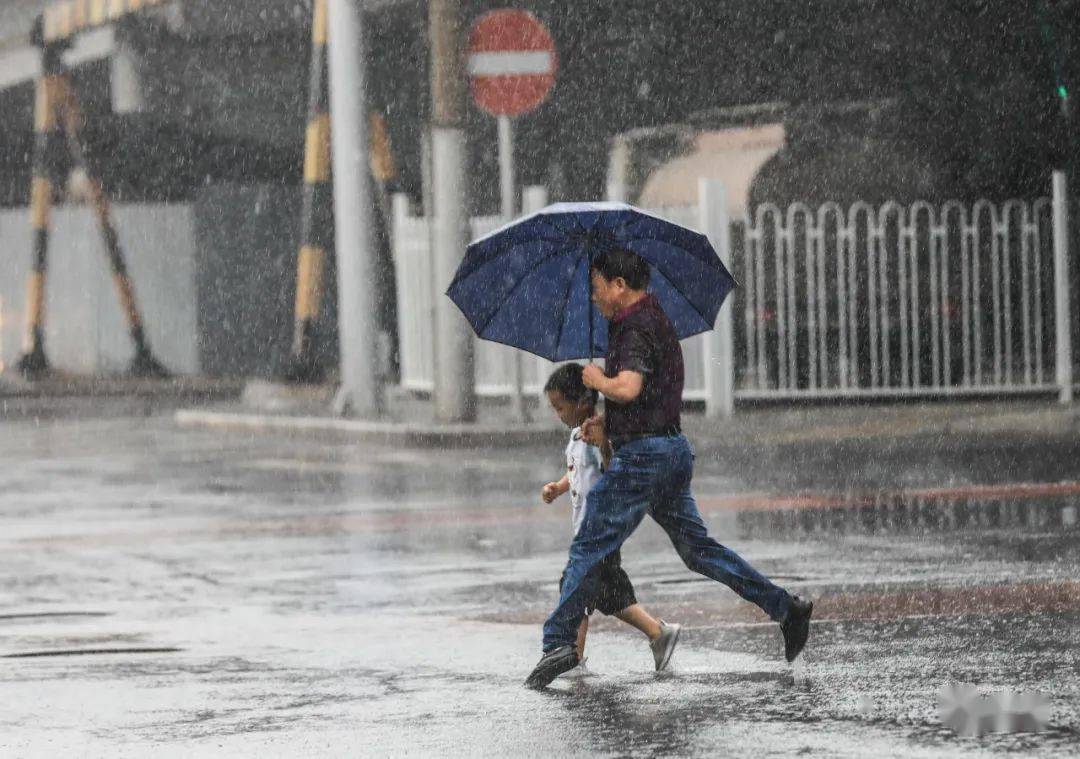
(614, 591)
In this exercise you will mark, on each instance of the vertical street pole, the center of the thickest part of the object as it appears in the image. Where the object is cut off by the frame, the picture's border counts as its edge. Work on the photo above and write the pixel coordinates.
(616, 190)
(507, 185)
(455, 399)
(1062, 312)
(533, 198)
(719, 356)
(127, 88)
(360, 393)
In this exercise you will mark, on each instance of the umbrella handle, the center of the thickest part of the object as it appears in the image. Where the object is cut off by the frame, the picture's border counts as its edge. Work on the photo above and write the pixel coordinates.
(588, 302)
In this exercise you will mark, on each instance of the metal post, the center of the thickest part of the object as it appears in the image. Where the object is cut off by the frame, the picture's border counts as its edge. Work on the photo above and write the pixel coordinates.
(384, 175)
(616, 192)
(455, 394)
(507, 185)
(360, 393)
(616, 189)
(719, 355)
(533, 198)
(427, 182)
(1062, 312)
(126, 82)
(507, 181)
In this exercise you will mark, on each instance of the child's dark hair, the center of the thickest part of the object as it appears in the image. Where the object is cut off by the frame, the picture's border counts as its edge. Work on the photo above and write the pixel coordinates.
(567, 380)
(619, 262)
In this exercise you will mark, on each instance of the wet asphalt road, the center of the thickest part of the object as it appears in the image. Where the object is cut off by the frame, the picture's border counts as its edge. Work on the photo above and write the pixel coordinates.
(193, 593)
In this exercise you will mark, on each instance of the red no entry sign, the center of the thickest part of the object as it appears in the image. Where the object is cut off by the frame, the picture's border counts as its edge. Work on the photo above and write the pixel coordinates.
(511, 62)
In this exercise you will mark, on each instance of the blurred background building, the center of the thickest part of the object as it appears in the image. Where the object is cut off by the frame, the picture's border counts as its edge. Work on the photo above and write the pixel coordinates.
(196, 109)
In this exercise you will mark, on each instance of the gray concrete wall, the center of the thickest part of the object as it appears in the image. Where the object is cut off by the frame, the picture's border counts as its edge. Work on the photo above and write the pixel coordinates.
(247, 238)
(16, 17)
(86, 331)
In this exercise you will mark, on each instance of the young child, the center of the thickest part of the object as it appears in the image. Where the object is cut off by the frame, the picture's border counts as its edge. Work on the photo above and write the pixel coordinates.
(573, 403)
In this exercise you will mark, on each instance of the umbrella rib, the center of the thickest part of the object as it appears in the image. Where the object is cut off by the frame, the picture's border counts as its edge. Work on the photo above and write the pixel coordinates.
(674, 288)
(710, 262)
(656, 219)
(503, 247)
(566, 303)
(547, 221)
(517, 284)
(622, 227)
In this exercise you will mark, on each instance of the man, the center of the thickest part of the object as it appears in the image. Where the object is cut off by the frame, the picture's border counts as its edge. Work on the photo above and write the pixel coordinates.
(650, 470)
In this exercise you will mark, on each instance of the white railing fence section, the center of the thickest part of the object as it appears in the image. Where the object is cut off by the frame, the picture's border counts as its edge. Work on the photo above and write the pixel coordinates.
(897, 299)
(890, 300)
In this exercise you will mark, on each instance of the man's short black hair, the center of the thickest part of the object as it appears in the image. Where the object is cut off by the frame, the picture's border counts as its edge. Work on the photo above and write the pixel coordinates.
(620, 262)
(567, 381)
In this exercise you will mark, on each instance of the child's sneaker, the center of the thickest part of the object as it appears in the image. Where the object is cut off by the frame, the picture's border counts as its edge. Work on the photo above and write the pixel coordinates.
(664, 646)
(580, 671)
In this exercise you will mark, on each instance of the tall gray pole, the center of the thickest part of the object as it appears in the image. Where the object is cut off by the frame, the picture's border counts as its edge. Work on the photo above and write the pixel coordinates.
(533, 198)
(718, 343)
(508, 193)
(1062, 310)
(127, 85)
(455, 398)
(360, 393)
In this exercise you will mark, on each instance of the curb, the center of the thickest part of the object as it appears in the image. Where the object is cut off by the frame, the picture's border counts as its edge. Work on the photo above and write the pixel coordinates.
(191, 388)
(416, 435)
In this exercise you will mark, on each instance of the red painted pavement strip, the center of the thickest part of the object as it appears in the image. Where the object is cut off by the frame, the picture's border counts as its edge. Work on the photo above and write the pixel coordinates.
(395, 521)
(537, 514)
(773, 502)
(532, 514)
(1022, 598)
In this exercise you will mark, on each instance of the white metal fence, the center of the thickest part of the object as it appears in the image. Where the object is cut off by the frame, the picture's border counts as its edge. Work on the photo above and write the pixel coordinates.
(896, 299)
(416, 294)
(892, 300)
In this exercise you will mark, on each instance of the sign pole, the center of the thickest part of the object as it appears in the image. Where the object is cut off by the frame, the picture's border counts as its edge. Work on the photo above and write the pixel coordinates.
(507, 184)
(506, 167)
(361, 391)
(512, 64)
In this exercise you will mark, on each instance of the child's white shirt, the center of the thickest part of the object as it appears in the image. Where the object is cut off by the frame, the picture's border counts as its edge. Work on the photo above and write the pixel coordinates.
(584, 466)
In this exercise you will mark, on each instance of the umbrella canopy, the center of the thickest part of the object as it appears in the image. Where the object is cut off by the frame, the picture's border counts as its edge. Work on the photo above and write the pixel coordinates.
(527, 283)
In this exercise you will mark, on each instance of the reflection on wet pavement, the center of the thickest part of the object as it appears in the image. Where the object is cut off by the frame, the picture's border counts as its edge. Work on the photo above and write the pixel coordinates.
(233, 595)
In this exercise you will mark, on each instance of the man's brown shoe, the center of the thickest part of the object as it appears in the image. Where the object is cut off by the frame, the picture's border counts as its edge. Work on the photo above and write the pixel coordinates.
(551, 665)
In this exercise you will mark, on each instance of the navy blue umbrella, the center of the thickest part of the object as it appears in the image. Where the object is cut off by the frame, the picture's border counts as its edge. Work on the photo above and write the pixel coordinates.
(527, 284)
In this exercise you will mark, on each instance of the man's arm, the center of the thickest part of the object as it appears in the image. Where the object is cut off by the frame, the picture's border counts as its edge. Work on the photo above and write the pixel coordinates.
(622, 388)
(592, 432)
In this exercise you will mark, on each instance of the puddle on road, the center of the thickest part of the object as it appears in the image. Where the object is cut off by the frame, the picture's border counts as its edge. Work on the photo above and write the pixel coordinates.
(86, 651)
(90, 652)
(53, 615)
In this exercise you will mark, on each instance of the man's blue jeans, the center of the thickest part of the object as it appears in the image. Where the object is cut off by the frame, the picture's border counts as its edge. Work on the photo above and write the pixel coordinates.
(650, 476)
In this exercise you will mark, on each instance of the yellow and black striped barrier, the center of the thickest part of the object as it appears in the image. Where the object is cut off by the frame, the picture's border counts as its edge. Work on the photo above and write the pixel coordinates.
(384, 172)
(383, 169)
(57, 118)
(47, 133)
(317, 221)
(143, 364)
(317, 226)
